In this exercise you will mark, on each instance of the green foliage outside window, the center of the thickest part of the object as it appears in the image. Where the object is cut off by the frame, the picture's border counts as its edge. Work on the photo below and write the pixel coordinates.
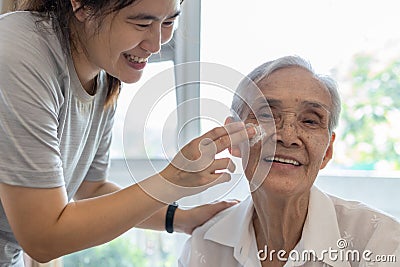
(371, 114)
(138, 248)
(117, 253)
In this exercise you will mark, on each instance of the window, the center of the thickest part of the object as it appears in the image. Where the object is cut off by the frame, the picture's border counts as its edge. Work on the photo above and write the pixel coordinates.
(136, 136)
(340, 38)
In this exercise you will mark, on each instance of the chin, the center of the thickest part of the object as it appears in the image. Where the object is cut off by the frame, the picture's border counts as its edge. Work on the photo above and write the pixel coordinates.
(282, 187)
(131, 77)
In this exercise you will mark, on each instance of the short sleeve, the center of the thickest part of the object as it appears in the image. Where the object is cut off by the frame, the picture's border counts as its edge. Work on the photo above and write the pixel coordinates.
(99, 168)
(30, 99)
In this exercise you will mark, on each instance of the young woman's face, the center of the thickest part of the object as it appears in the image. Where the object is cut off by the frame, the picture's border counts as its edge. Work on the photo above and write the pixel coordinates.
(127, 38)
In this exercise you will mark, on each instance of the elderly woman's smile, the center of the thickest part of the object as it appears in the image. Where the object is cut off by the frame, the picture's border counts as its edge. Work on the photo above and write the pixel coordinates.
(282, 160)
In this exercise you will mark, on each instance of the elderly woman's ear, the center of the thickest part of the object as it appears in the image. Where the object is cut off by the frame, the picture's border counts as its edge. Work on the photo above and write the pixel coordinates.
(328, 152)
(233, 150)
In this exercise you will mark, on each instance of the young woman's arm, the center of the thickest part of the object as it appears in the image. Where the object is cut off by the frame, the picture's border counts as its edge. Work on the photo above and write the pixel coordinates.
(47, 226)
(185, 221)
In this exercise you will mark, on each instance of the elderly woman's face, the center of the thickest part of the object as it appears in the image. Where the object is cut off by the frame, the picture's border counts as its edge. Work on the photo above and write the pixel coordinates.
(302, 139)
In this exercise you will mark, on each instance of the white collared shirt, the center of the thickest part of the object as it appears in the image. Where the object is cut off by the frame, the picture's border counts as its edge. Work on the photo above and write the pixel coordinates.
(341, 233)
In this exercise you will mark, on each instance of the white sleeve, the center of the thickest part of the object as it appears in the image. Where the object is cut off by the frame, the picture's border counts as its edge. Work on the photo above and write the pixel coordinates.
(184, 258)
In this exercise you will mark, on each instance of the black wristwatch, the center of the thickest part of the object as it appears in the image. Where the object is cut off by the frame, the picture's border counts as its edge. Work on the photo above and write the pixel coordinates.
(169, 217)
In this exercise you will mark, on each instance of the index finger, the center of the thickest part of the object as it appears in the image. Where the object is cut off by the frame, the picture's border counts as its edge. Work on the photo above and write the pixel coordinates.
(235, 138)
(221, 131)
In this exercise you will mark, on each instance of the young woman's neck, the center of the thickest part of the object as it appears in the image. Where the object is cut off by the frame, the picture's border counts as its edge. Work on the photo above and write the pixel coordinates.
(85, 69)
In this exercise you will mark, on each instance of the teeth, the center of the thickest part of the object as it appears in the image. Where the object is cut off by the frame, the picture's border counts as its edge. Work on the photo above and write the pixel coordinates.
(135, 58)
(282, 160)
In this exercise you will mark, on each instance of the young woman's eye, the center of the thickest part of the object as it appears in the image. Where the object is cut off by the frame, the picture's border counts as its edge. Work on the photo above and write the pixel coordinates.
(143, 25)
(140, 24)
(168, 23)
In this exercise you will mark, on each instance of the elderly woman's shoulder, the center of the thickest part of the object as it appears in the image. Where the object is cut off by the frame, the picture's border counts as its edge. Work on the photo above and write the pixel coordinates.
(223, 221)
(354, 210)
(365, 224)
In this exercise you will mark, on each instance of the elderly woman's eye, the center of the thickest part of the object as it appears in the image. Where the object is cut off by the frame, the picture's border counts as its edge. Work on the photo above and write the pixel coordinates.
(314, 118)
(311, 120)
(266, 116)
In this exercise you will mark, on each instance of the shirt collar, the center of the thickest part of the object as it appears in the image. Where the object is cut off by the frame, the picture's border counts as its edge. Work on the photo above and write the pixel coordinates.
(320, 231)
(235, 229)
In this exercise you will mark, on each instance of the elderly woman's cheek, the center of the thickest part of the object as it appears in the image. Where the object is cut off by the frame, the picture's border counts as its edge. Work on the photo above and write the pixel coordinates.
(317, 148)
(251, 159)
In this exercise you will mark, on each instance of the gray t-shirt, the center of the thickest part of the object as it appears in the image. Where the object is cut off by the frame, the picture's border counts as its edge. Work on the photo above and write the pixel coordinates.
(52, 132)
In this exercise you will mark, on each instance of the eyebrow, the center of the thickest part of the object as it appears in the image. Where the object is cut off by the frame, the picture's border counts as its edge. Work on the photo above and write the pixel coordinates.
(268, 102)
(277, 103)
(144, 16)
(315, 104)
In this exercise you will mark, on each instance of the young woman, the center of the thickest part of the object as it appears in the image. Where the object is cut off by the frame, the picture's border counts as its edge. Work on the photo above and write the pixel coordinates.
(62, 64)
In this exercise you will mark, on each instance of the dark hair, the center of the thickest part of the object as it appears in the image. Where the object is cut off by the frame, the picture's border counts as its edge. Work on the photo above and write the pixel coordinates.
(62, 13)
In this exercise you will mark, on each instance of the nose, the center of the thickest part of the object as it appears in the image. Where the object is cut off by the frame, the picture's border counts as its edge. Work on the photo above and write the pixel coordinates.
(287, 131)
(152, 40)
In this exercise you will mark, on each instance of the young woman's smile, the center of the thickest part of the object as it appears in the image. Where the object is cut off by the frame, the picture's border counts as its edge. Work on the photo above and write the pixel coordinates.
(135, 62)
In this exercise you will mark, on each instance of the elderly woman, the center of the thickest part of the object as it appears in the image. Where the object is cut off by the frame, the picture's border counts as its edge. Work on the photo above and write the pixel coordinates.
(288, 221)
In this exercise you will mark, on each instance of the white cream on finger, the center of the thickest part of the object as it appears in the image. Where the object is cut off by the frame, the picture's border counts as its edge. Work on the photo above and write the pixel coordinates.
(260, 133)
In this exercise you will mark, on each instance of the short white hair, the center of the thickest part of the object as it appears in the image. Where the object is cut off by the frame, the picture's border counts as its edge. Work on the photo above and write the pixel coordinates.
(264, 70)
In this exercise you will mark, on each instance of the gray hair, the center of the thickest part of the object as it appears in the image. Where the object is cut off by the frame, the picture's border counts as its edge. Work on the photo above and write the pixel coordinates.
(239, 99)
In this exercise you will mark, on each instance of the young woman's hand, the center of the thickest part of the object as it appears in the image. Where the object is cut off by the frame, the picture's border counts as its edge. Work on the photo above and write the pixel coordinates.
(185, 221)
(196, 166)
